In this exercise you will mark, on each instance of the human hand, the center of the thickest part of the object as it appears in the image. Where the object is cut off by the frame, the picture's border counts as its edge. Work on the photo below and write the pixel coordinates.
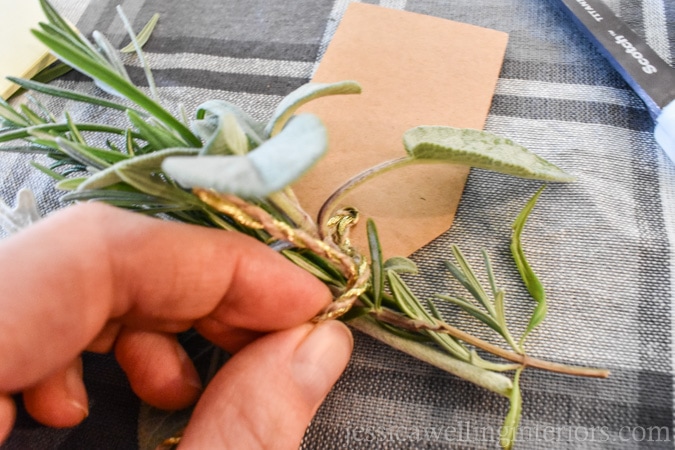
(96, 278)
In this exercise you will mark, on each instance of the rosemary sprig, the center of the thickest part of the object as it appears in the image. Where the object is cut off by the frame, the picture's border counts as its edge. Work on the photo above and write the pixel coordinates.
(226, 170)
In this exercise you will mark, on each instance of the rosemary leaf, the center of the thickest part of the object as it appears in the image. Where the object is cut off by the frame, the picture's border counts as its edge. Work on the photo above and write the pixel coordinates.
(66, 93)
(47, 171)
(375, 263)
(73, 55)
(143, 35)
(473, 311)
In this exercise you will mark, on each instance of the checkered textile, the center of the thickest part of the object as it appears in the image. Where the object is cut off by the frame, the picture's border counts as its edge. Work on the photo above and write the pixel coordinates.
(603, 246)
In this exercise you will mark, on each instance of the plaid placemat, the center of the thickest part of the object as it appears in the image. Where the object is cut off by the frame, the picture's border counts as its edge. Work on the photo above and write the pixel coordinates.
(603, 246)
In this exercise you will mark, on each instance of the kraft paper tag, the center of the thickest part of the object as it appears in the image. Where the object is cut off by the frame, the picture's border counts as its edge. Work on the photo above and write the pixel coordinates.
(21, 54)
(414, 70)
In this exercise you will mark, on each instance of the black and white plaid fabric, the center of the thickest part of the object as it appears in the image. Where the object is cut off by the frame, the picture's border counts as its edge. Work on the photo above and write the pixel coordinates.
(603, 246)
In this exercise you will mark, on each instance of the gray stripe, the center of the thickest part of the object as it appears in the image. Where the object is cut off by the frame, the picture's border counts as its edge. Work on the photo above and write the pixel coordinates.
(253, 84)
(234, 48)
(572, 111)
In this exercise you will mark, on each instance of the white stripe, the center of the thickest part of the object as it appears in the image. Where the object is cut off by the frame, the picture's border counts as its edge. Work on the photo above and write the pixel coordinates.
(339, 8)
(395, 4)
(561, 91)
(248, 66)
(656, 28)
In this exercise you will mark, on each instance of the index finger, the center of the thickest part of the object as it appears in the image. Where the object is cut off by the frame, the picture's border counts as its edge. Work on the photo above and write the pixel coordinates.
(65, 277)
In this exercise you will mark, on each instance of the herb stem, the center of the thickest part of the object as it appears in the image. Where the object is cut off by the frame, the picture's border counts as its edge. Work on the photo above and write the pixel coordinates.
(492, 381)
(399, 320)
(330, 204)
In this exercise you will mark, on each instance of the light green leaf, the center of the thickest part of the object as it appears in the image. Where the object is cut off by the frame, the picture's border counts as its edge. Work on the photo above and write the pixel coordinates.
(479, 149)
(70, 184)
(399, 264)
(269, 168)
(509, 431)
(532, 283)
(304, 94)
(11, 116)
(143, 35)
(375, 263)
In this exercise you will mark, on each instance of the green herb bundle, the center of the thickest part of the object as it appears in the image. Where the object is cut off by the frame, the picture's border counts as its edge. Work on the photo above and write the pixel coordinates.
(223, 169)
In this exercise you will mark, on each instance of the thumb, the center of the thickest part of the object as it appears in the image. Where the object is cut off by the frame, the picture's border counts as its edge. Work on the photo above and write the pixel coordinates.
(265, 395)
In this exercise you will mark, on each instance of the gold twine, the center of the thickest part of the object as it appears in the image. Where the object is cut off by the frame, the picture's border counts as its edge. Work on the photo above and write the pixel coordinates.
(337, 250)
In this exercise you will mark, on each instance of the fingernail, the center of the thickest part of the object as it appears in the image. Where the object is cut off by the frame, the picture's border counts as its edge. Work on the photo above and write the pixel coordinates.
(321, 358)
(77, 394)
(190, 375)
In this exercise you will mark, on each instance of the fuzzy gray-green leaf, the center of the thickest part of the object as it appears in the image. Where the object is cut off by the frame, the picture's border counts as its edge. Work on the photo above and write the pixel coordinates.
(304, 94)
(269, 168)
(479, 149)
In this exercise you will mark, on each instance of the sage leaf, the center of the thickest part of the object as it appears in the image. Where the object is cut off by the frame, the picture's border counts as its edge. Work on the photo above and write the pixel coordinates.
(304, 94)
(214, 109)
(22, 215)
(269, 168)
(479, 149)
(223, 135)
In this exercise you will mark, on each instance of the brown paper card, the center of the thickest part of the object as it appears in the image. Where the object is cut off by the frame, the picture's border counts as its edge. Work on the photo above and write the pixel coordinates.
(21, 54)
(415, 70)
